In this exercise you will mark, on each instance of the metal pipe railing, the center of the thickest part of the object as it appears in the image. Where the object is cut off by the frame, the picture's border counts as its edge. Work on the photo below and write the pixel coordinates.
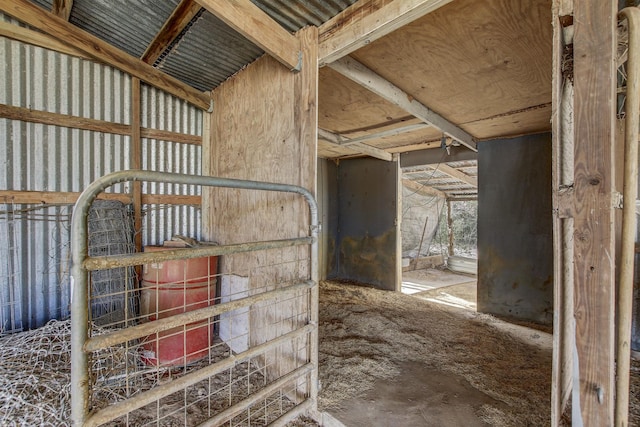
(294, 413)
(138, 401)
(129, 260)
(630, 193)
(80, 381)
(145, 329)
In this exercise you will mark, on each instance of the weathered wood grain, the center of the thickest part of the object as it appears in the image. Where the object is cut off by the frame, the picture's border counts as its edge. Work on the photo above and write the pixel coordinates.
(83, 123)
(594, 261)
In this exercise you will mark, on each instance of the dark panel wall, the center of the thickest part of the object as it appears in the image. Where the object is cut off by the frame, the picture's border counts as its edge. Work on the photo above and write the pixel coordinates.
(367, 241)
(515, 236)
(327, 197)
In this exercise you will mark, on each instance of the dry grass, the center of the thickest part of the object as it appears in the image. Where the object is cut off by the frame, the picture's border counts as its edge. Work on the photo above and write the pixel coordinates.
(35, 373)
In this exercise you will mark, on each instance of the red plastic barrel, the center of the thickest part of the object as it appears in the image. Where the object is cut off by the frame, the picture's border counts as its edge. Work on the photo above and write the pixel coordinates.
(164, 294)
(178, 271)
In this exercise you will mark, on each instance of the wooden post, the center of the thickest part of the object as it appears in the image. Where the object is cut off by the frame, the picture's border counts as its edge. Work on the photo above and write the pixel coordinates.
(594, 47)
(136, 161)
(449, 227)
(562, 182)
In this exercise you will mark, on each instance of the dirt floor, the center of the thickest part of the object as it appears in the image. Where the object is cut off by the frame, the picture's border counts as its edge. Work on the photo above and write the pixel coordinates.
(388, 359)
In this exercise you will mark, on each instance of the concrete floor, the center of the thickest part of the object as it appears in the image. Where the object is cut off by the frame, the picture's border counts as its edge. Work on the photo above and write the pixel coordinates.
(419, 396)
(441, 286)
(417, 281)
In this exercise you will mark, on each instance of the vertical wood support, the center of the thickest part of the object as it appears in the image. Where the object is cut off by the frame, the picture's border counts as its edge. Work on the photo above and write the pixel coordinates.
(136, 161)
(449, 227)
(306, 118)
(264, 128)
(398, 255)
(562, 180)
(206, 170)
(594, 237)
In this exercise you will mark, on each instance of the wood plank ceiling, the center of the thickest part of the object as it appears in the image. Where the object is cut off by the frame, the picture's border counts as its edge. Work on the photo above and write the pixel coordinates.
(483, 66)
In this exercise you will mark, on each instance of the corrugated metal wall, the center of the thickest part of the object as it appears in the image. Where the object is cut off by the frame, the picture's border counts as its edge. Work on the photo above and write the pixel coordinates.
(34, 263)
(163, 111)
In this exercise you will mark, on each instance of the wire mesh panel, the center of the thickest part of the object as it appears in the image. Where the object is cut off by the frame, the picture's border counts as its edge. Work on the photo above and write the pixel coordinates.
(110, 226)
(9, 272)
(34, 265)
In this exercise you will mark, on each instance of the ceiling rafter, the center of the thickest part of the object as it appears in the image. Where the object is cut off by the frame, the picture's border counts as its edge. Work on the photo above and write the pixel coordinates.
(62, 8)
(175, 24)
(367, 78)
(336, 139)
(342, 34)
(98, 49)
(455, 173)
(258, 27)
(423, 188)
(36, 38)
(385, 134)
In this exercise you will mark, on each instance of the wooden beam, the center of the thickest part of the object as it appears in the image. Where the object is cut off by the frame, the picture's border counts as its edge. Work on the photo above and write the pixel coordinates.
(385, 134)
(258, 27)
(170, 199)
(136, 162)
(562, 184)
(55, 197)
(69, 198)
(56, 119)
(26, 35)
(82, 123)
(423, 189)
(62, 8)
(365, 77)
(414, 147)
(36, 17)
(594, 47)
(455, 173)
(420, 158)
(450, 228)
(339, 38)
(357, 147)
(167, 135)
(177, 22)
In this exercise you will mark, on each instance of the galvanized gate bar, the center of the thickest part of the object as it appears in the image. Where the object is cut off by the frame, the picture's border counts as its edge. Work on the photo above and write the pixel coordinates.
(133, 332)
(233, 411)
(80, 380)
(129, 260)
(294, 413)
(138, 401)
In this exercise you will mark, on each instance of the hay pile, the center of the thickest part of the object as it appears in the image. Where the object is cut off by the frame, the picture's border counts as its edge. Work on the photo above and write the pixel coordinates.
(35, 369)
(365, 334)
(35, 374)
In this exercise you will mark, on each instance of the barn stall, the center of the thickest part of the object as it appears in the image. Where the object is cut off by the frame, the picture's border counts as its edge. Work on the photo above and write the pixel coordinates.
(233, 117)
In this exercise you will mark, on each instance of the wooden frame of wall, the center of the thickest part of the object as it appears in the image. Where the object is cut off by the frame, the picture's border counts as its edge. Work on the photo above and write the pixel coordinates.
(584, 178)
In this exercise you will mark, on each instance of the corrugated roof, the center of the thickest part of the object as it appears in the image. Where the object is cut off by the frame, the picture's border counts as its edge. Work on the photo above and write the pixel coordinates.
(296, 14)
(431, 176)
(127, 25)
(209, 51)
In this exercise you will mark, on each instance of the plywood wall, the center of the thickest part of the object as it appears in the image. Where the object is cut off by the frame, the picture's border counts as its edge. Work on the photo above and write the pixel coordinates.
(263, 128)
